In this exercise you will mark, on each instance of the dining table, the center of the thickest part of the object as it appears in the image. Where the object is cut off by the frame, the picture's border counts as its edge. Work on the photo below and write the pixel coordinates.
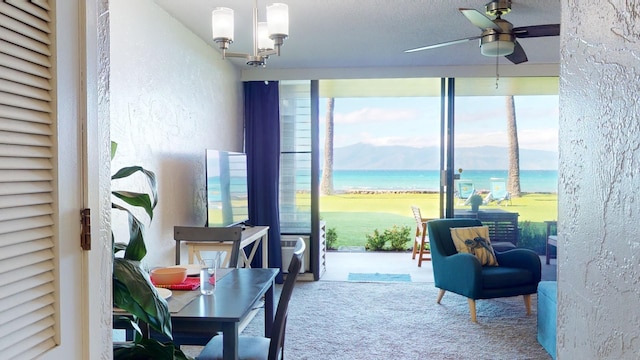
(235, 296)
(196, 318)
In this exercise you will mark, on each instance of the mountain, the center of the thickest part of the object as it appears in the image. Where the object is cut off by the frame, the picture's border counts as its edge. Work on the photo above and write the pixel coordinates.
(371, 157)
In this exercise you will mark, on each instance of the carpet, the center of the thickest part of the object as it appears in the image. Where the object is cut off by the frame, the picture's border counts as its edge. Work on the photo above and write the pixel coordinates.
(400, 320)
(378, 277)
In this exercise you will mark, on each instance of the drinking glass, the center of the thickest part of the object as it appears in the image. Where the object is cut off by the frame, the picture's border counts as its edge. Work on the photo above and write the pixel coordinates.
(208, 269)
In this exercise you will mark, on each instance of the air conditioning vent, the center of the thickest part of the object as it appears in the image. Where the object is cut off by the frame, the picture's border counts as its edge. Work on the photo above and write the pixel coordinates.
(288, 245)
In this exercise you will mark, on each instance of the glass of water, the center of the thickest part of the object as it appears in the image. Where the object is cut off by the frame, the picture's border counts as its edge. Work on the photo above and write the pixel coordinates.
(208, 269)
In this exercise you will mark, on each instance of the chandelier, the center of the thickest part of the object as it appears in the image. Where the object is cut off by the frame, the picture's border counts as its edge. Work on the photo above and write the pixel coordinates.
(267, 36)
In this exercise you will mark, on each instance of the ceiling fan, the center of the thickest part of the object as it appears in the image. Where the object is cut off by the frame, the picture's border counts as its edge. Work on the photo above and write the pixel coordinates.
(498, 36)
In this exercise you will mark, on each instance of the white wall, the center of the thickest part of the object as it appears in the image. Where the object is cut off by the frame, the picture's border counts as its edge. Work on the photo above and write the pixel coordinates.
(172, 96)
(599, 202)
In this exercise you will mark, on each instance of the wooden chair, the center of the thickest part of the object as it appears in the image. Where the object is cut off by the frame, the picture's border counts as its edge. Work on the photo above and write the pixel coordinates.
(225, 239)
(253, 347)
(421, 240)
(552, 240)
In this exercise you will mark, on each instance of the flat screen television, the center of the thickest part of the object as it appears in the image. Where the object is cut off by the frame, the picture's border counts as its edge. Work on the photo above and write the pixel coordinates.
(227, 193)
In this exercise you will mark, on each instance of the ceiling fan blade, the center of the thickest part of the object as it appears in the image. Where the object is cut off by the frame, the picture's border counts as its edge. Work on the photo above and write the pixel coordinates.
(479, 20)
(443, 44)
(537, 31)
(518, 56)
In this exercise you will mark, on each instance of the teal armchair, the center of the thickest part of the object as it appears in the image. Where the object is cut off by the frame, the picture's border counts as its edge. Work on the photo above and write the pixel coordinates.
(518, 273)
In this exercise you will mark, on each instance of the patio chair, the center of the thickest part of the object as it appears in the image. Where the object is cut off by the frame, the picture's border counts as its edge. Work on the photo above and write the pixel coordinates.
(464, 191)
(552, 240)
(518, 271)
(256, 347)
(498, 193)
(421, 239)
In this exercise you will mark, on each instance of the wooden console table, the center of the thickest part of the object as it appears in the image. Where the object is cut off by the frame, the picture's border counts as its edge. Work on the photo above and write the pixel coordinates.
(251, 235)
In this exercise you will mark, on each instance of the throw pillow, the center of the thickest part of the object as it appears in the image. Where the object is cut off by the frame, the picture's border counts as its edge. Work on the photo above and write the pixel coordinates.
(475, 240)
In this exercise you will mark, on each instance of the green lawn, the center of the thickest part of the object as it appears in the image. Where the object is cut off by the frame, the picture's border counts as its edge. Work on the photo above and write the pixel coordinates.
(353, 216)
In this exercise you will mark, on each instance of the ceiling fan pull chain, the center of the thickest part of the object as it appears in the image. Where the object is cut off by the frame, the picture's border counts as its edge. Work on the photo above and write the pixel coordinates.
(497, 74)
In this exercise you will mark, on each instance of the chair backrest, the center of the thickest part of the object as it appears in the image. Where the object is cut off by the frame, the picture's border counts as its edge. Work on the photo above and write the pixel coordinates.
(465, 189)
(282, 312)
(440, 237)
(420, 227)
(231, 235)
(498, 189)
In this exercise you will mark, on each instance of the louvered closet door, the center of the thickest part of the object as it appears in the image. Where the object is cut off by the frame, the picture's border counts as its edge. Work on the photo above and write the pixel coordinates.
(27, 256)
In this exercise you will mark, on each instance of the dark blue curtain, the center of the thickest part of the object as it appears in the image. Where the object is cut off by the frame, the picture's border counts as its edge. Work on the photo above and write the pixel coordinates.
(262, 145)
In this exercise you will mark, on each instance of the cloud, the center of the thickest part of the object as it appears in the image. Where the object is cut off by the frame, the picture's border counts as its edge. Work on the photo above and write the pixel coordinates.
(417, 141)
(539, 139)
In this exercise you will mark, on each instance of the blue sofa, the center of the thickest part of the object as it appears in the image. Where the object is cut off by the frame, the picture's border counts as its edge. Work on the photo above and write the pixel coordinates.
(547, 308)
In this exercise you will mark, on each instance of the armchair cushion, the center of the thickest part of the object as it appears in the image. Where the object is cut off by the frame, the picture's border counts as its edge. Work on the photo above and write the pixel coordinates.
(475, 240)
(501, 277)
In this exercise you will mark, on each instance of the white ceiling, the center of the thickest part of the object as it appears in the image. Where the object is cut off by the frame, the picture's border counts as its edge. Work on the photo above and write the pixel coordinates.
(373, 33)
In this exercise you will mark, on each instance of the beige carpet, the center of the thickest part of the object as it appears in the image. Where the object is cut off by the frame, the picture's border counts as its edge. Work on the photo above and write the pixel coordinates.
(350, 320)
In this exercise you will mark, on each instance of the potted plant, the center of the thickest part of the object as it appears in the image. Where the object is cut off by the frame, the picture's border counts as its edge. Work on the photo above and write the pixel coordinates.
(475, 201)
(132, 288)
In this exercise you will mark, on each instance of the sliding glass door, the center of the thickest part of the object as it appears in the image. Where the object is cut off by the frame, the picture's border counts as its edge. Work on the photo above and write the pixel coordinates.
(357, 154)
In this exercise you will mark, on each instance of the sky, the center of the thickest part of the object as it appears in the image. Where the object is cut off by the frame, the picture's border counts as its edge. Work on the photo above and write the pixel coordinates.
(408, 121)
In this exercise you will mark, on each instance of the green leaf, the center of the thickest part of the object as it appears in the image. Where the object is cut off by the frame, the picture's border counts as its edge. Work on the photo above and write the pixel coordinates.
(134, 293)
(150, 175)
(136, 199)
(114, 147)
(136, 249)
(117, 247)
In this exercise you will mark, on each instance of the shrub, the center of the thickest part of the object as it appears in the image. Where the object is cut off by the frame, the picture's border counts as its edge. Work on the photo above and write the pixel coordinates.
(398, 237)
(533, 236)
(375, 241)
(332, 238)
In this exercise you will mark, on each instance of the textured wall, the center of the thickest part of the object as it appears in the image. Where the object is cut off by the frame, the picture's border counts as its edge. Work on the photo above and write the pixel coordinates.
(172, 96)
(599, 202)
(100, 344)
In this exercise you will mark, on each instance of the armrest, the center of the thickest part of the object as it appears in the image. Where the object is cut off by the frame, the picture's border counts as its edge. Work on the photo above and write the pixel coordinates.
(523, 259)
(460, 273)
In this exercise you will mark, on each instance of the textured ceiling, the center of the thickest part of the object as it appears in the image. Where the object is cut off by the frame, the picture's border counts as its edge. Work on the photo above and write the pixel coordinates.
(373, 33)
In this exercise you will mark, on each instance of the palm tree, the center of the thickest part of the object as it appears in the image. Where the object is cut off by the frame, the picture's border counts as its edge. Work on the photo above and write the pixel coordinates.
(326, 183)
(513, 180)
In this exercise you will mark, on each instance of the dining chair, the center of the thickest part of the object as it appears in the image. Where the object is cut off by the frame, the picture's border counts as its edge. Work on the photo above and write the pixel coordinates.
(256, 347)
(225, 239)
(421, 239)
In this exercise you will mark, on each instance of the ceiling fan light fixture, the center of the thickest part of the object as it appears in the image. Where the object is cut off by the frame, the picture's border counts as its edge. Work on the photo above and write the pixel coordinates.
(497, 48)
(498, 37)
(494, 43)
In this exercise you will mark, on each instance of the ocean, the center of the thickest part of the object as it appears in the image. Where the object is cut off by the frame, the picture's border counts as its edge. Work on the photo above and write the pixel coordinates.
(541, 181)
